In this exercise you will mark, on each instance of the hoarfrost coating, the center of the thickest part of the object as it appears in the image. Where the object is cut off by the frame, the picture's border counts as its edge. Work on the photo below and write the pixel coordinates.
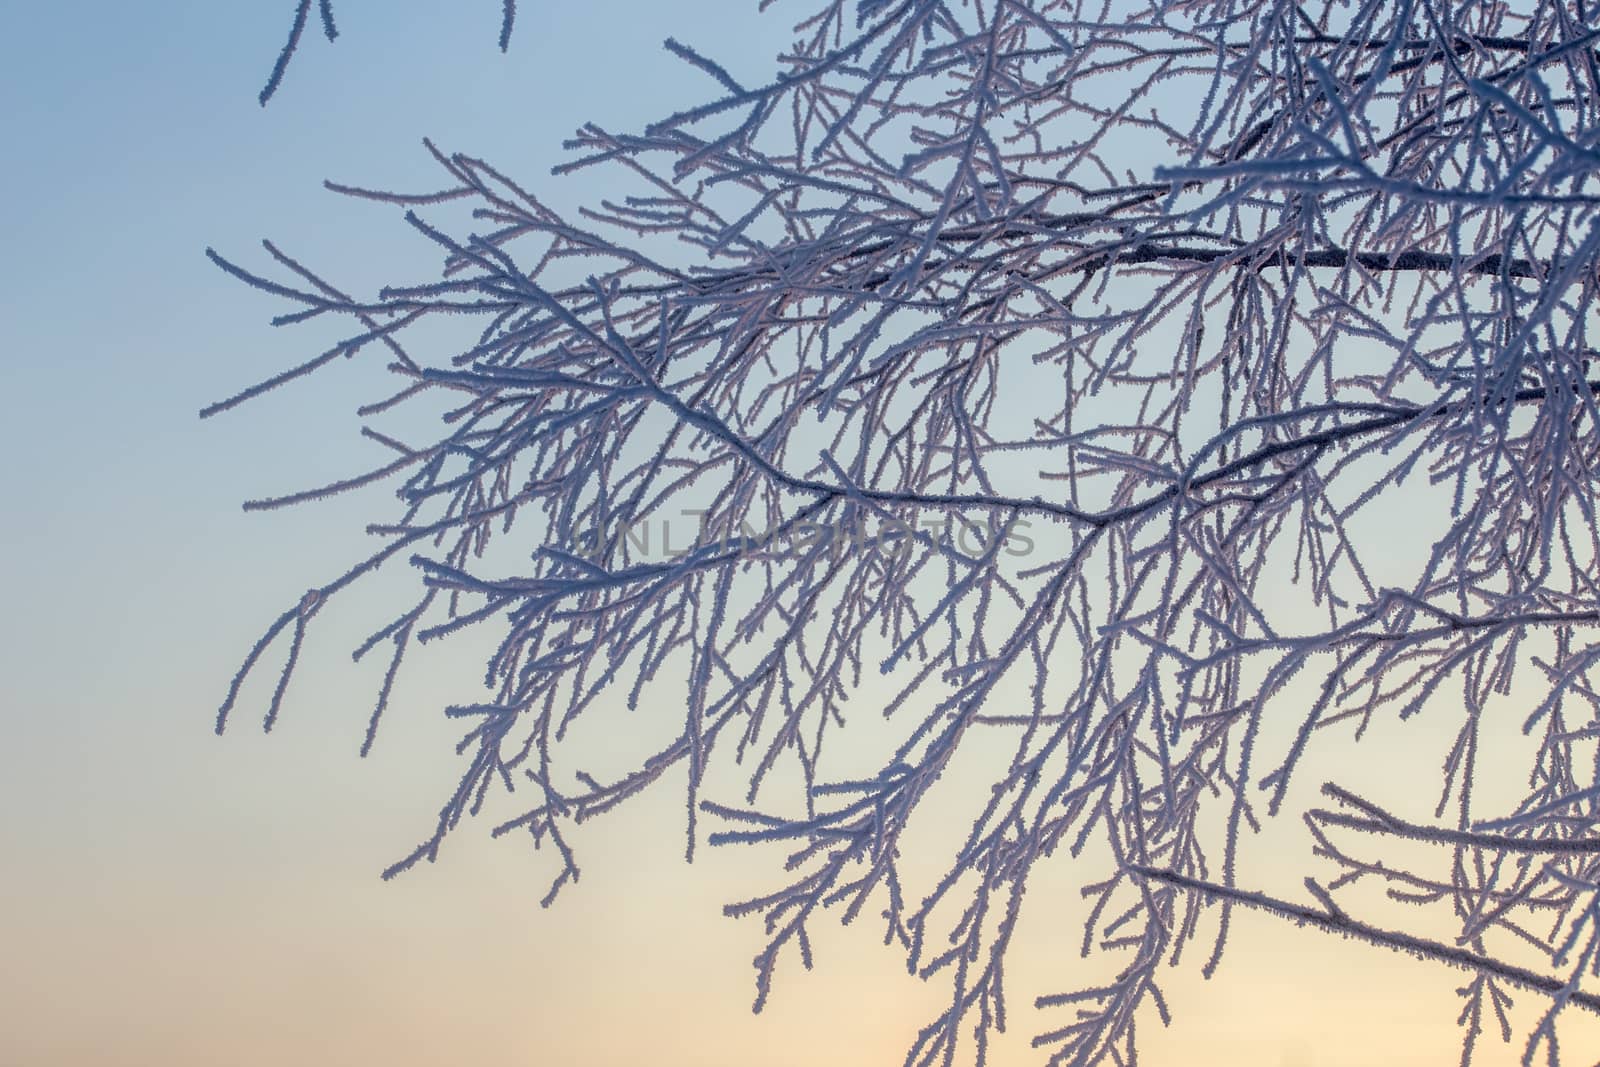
(1269, 320)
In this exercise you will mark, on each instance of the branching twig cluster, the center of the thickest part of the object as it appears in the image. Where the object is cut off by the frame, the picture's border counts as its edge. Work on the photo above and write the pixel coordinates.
(1057, 380)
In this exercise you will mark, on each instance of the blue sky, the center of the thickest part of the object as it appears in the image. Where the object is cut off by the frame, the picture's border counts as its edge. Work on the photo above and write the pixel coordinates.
(172, 897)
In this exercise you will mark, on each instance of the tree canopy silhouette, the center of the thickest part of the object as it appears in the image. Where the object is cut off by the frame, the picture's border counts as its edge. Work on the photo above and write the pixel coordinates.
(1078, 416)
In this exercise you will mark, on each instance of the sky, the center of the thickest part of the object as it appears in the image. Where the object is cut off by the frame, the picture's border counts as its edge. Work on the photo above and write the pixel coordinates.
(168, 896)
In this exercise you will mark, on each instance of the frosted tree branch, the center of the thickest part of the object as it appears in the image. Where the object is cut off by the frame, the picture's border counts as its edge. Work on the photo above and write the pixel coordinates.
(1070, 430)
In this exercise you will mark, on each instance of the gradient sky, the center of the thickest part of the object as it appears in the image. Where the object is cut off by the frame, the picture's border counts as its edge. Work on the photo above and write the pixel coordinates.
(170, 897)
